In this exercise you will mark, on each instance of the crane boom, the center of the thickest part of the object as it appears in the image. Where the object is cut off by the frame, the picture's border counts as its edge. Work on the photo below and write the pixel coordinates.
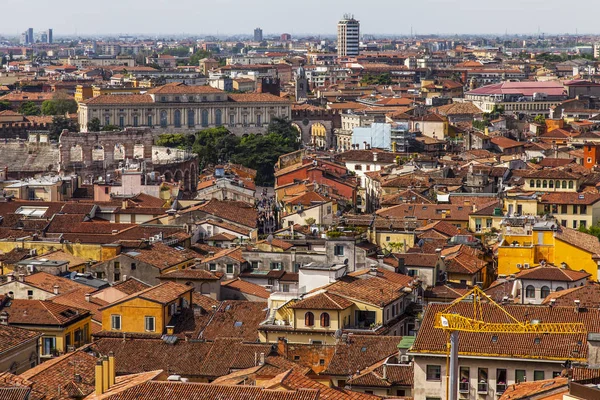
(456, 322)
(452, 323)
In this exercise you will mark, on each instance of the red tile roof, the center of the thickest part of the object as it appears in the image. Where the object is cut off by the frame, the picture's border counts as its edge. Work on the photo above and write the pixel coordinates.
(246, 288)
(552, 273)
(164, 390)
(552, 347)
(588, 295)
(164, 293)
(323, 301)
(11, 337)
(42, 312)
(52, 377)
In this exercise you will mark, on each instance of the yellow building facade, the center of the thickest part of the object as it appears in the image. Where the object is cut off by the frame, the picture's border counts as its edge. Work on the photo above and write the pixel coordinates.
(557, 246)
(149, 311)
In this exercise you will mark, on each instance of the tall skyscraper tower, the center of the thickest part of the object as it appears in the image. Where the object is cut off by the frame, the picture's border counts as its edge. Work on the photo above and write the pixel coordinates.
(30, 39)
(49, 36)
(348, 34)
(258, 37)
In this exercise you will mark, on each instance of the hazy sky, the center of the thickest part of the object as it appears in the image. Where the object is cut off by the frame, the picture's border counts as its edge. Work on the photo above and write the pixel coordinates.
(301, 16)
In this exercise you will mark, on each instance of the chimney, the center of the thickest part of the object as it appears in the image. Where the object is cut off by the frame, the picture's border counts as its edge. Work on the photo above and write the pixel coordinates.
(170, 329)
(10, 277)
(384, 373)
(21, 277)
(374, 156)
(124, 278)
(577, 302)
(111, 369)
(104, 374)
(282, 347)
(56, 289)
(99, 377)
(88, 297)
(3, 318)
(261, 360)
(124, 204)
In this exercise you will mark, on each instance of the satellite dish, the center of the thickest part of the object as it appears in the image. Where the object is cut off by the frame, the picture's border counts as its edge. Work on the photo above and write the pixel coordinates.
(270, 239)
(346, 261)
(337, 334)
(72, 275)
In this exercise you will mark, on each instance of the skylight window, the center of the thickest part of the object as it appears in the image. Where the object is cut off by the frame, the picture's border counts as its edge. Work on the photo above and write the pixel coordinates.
(237, 324)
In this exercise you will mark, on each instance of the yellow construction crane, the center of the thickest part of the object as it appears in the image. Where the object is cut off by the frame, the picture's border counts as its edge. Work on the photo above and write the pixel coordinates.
(452, 323)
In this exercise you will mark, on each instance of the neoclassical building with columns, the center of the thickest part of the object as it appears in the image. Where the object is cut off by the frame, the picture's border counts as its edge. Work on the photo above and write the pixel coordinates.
(178, 108)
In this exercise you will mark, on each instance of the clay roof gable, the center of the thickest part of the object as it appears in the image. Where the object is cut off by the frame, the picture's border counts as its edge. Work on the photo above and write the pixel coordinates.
(323, 301)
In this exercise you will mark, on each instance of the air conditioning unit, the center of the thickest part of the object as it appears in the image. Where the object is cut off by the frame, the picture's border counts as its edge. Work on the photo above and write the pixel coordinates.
(526, 265)
(519, 266)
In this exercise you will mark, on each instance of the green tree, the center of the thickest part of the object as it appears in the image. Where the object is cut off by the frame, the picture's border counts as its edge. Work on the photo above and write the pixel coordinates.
(5, 105)
(60, 123)
(539, 119)
(29, 108)
(199, 55)
(60, 104)
(175, 140)
(109, 128)
(94, 125)
(48, 107)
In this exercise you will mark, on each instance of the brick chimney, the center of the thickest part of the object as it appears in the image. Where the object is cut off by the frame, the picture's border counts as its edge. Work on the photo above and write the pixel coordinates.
(282, 346)
(56, 289)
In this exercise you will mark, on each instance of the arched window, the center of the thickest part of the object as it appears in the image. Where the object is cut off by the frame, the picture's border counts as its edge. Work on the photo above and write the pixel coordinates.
(218, 118)
(530, 292)
(309, 319)
(545, 292)
(570, 184)
(558, 289)
(551, 184)
(544, 183)
(204, 118)
(177, 119)
(191, 119)
(163, 119)
(532, 183)
(538, 183)
(564, 184)
(325, 319)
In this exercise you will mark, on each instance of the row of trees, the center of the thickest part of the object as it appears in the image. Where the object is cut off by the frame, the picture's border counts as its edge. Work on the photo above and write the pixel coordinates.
(256, 151)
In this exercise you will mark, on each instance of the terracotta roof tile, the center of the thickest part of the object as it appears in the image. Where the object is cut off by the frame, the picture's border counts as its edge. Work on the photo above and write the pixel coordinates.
(552, 273)
(246, 287)
(557, 347)
(360, 352)
(525, 390)
(51, 376)
(131, 285)
(164, 390)
(11, 336)
(588, 295)
(42, 312)
(233, 211)
(323, 301)
(373, 290)
(77, 298)
(46, 282)
(247, 314)
(164, 293)
(293, 381)
(582, 240)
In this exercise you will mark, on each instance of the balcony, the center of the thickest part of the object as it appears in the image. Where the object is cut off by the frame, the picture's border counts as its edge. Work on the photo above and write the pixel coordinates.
(482, 388)
(500, 388)
(463, 387)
